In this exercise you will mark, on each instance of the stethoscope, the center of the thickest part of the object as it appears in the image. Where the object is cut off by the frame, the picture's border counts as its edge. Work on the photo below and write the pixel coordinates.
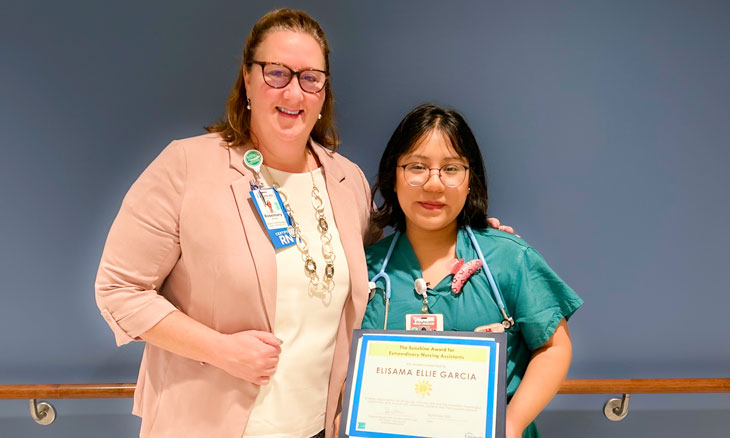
(507, 320)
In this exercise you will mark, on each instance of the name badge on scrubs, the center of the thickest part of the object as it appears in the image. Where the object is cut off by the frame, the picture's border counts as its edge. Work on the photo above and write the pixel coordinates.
(495, 327)
(274, 216)
(425, 321)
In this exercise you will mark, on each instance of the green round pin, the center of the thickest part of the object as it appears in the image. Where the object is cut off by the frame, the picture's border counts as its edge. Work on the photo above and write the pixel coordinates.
(253, 160)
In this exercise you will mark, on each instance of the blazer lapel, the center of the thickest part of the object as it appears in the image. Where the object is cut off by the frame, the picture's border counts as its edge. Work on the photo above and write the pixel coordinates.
(262, 250)
(345, 210)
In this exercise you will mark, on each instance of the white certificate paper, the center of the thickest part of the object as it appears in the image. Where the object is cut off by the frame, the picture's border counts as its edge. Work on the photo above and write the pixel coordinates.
(411, 384)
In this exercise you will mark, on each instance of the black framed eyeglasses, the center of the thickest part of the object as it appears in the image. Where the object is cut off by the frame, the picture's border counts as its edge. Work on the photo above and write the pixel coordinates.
(278, 76)
(451, 175)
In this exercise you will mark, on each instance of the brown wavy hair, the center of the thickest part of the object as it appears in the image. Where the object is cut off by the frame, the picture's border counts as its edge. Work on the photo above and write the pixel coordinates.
(235, 127)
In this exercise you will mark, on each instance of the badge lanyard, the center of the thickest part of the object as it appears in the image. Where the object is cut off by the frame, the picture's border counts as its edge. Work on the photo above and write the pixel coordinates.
(268, 204)
(507, 320)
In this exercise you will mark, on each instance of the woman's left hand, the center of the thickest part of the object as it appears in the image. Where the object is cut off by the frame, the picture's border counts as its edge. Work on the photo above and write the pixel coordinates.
(494, 223)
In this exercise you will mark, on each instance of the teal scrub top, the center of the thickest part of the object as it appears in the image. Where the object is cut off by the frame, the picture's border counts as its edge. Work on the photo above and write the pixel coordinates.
(533, 293)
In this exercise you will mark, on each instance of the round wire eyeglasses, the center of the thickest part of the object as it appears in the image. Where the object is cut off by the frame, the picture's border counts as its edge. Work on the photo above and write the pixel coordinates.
(450, 175)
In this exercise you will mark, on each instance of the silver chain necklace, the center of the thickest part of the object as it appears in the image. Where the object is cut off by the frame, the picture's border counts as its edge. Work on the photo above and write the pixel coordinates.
(319, 287)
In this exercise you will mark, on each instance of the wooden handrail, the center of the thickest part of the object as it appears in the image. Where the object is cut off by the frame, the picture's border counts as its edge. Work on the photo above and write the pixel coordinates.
(570, 386)
(70, 390)
(644, 386)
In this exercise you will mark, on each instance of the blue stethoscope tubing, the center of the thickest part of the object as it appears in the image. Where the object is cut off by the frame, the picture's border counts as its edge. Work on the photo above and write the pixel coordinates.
(507, 320)
(382, 274)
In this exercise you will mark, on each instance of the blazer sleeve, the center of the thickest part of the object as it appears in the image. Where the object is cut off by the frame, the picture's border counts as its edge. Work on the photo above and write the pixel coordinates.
(371, 233)
(142, 248)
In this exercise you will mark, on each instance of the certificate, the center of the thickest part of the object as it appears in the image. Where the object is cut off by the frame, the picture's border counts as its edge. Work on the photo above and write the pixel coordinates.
(425, 384)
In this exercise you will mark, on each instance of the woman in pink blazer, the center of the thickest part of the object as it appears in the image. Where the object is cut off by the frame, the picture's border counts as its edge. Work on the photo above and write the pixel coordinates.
(243, 339)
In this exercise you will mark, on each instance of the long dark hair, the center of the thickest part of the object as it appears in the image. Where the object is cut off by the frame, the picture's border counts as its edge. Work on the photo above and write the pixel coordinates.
(418, 123)
(235, 127)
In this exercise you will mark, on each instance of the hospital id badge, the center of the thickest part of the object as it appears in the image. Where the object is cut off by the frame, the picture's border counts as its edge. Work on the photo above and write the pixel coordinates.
(274, 216)
(425, 321)
(495, 327)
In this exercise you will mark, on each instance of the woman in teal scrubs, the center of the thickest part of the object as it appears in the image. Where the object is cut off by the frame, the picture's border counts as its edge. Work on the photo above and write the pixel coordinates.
(432, 181)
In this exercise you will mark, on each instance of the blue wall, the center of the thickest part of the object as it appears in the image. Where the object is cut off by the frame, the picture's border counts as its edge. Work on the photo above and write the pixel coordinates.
(605, 127)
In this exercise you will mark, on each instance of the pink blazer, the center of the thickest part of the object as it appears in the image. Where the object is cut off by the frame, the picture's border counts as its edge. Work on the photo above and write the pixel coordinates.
(187, 237)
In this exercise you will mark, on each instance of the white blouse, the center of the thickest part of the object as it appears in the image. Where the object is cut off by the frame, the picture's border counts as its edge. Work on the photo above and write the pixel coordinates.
(292, 404)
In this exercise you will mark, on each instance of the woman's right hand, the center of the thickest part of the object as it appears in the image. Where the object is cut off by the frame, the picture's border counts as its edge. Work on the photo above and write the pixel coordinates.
(249, 355)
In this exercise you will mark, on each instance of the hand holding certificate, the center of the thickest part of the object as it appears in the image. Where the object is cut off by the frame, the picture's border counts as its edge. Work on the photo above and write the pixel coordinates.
(425, 384)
